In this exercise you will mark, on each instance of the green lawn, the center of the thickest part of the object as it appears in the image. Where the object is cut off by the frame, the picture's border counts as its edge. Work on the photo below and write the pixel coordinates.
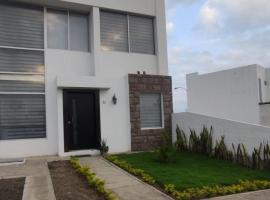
(193, 170)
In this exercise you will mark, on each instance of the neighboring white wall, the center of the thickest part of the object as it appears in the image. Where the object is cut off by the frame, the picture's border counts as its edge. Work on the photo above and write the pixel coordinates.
(265, 115)
(229, 94)
(235, 132)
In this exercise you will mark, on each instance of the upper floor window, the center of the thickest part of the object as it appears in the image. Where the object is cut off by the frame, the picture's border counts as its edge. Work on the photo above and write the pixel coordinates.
(68, 30)
(127, 32)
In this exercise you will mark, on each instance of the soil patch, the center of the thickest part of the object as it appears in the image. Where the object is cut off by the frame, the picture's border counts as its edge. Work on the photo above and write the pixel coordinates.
(69, 184)
(12, 189)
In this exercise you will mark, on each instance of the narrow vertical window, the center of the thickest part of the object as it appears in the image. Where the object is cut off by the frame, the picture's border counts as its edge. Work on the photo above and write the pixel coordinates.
(79, 31)
(57, 29)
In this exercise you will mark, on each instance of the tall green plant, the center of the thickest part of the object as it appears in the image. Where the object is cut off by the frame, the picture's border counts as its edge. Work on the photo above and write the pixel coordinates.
(165, 150)
(181, 140)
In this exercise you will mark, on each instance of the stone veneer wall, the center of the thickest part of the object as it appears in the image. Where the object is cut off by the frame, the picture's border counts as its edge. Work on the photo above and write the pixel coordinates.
(142, 140)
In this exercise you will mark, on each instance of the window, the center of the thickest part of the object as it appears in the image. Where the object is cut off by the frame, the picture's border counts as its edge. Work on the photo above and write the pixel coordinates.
(22, 85)
(114, 32)
(68, 30)
(151, 110)
(127, 33)
(57, 29)
(141, 35)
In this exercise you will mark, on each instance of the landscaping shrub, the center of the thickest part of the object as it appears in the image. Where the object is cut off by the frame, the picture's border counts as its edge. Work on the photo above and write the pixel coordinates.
(104, 149)
(206, 192)
(126, 166)
(203, 144)
(181, 140)
(93, 181)
(165, 151)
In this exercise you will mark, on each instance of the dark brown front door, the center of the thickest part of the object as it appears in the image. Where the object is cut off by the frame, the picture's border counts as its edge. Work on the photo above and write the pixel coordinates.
(81, 120)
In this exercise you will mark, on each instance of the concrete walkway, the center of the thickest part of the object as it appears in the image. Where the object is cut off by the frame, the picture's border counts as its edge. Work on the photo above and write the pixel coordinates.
(258, 195)
(38, 184)
(124, 185)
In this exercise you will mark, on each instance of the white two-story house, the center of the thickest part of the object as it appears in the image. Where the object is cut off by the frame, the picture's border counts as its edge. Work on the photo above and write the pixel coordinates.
(73, 72)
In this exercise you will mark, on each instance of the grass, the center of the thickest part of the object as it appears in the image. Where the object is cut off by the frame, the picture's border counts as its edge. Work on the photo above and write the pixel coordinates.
(192, 170)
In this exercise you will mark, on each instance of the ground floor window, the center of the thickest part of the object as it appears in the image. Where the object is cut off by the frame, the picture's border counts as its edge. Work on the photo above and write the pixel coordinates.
(151, 110)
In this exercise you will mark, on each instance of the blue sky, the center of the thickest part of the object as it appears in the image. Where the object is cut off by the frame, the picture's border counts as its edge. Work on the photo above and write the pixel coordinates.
(210, 35)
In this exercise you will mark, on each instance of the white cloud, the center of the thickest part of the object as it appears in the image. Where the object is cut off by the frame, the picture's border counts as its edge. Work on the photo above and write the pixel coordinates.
(209, 18)
(235, 16)
(170, 27)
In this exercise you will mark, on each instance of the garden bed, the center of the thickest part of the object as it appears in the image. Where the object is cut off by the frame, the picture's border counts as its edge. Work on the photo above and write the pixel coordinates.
(12, 189)
(69, 184)
(210, 176)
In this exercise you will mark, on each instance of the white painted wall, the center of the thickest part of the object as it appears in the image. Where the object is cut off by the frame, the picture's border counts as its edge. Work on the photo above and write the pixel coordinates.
(107, 71)
(229, 94)
(235, 132)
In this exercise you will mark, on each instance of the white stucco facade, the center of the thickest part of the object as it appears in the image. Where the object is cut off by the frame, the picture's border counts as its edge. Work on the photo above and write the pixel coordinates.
(97, 69)
(232, 94)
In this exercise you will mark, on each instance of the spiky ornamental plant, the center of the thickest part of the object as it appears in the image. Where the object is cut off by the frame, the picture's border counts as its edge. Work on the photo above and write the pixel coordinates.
(181, 143)
(194, 142)
(206, 141)
(220, 150)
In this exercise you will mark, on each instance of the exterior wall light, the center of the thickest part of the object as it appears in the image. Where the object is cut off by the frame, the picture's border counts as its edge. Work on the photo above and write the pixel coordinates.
(114, 99)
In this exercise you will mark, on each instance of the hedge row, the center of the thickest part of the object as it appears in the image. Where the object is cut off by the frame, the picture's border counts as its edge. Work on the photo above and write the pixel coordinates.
(92, 179)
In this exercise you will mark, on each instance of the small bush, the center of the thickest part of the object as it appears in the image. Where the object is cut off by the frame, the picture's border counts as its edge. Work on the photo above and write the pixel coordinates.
(181, 140)
(206, 192)
(165, 152)
(93, 181)
(104, 149)
(126, 166)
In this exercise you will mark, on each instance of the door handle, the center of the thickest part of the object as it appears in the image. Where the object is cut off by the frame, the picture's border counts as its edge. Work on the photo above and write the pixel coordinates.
(69, 122)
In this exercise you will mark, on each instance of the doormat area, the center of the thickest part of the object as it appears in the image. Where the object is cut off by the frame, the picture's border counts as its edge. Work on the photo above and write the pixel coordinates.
(69, 184)
(11, 189)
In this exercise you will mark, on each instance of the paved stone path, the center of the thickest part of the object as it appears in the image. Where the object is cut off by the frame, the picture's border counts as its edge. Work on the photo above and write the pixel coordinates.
(258, 195)
(124, 185)
(38, 184)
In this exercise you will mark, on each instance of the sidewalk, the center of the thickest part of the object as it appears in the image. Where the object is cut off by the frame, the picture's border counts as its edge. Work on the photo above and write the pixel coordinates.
(38, 184)
(257, 195)
(124, 185)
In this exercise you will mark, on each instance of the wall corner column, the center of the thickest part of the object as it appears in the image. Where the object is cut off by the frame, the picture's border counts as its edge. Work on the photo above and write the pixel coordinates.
(161, 38)
(95, 38)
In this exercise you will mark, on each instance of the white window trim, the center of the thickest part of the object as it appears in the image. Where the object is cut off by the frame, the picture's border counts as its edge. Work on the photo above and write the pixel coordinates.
(162, 117)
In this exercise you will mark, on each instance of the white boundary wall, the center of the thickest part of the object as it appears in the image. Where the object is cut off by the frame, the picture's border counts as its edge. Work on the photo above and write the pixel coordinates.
(235, 132)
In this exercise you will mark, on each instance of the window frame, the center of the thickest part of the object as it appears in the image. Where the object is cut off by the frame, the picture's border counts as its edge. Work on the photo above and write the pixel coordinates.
(162, 112)
(68, 11)
(128, 14)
